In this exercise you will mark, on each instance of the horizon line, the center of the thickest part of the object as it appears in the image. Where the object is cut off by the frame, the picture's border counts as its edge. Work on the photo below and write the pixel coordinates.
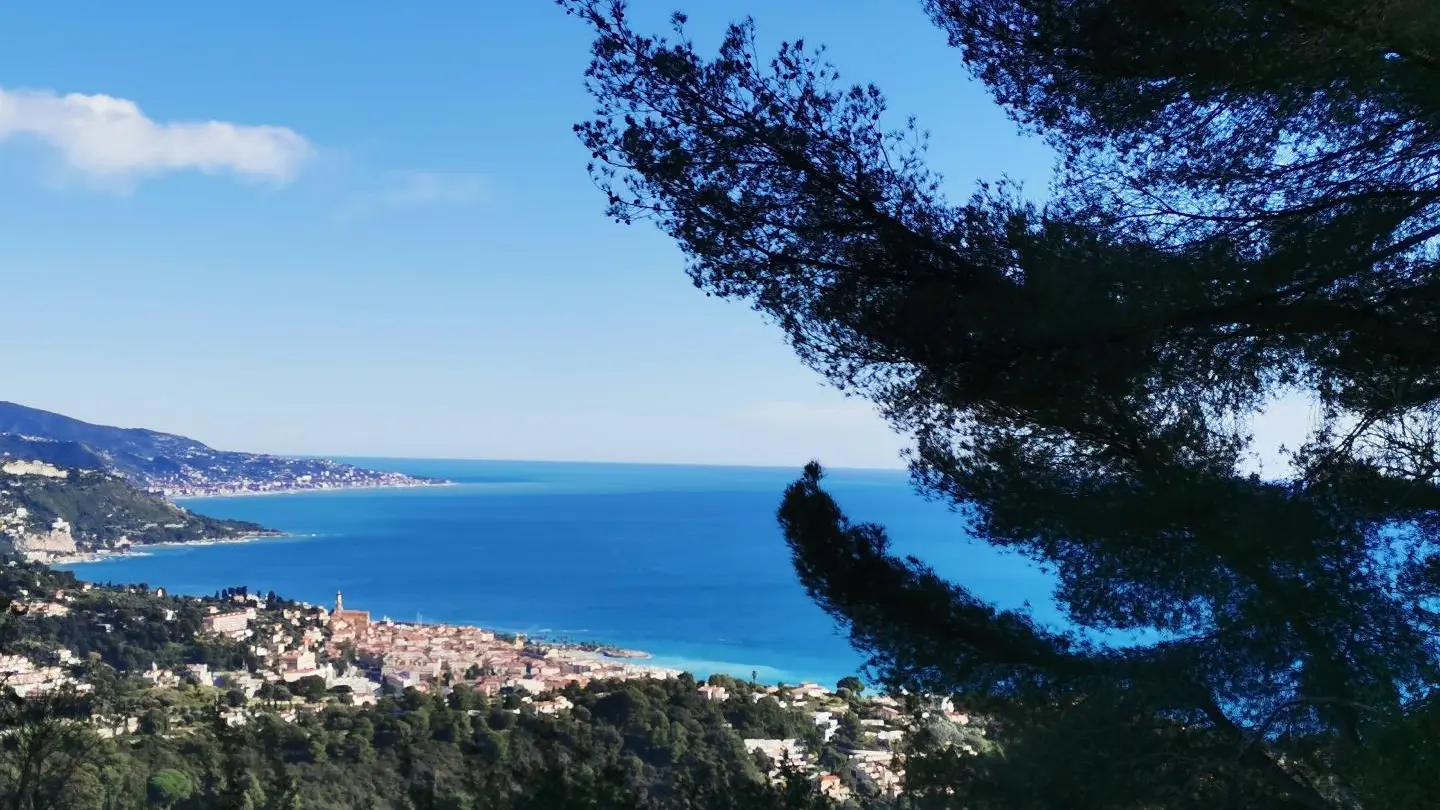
(801, 465)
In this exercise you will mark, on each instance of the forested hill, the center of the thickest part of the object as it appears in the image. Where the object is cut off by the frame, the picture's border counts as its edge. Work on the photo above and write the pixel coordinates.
(173, 716)
(47, 512)
(167, 462)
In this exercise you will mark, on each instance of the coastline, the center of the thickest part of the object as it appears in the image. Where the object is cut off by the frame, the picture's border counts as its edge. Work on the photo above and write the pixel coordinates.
(624, 665)
(609, 659)
(722, 646)
(629, 661)
(633, 655)
(246, 493)
(142, 550)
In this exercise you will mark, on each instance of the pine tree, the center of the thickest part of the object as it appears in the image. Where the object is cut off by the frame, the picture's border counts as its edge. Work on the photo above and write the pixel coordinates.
(1247, 206)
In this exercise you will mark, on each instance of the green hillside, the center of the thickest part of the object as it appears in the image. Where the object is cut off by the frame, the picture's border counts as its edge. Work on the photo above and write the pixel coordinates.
(102, 511)
(181, 465)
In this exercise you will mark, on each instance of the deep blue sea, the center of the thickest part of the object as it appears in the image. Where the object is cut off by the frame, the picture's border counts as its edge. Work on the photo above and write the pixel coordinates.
(685, 562)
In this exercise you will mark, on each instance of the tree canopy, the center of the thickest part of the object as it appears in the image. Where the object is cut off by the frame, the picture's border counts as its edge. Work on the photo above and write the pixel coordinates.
(168, 786)
(1246, 208)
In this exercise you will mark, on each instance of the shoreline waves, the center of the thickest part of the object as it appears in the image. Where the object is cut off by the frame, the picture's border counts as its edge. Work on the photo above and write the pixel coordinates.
(146, 549)
(633, 654)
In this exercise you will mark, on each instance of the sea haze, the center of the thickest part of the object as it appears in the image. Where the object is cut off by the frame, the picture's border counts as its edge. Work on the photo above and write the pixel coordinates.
(685, 562)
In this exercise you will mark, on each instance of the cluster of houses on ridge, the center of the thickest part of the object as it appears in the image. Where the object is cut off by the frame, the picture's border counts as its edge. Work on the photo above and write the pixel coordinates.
(353, 655)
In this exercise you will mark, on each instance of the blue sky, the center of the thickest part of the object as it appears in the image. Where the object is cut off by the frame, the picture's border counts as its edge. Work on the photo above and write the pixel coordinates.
(411, 260)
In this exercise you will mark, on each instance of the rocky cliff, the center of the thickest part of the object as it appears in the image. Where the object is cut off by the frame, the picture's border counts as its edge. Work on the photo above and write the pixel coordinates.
(57, 541)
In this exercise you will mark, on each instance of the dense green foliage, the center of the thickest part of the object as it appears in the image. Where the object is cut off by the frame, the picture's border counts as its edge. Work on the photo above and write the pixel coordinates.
(1248, 206)
(633, 745)
(103, 509)
(168, 786)
(642, 744)
(127, 628)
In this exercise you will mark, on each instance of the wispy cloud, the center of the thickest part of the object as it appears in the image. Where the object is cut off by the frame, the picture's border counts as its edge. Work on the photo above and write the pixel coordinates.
(111, 139)
(841, 433)
(848, 414)
(418, 189)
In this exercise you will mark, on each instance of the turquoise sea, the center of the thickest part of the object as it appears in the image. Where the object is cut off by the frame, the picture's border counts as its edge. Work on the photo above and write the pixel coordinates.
(684, 562)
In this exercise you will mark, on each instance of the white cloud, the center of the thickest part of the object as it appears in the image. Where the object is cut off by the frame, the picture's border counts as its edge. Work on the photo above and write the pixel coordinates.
(110, 138)
(418, 189)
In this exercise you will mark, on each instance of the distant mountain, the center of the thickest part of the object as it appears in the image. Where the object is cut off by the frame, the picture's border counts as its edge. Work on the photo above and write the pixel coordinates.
(175, 465)
(48, 512)
(50, 451)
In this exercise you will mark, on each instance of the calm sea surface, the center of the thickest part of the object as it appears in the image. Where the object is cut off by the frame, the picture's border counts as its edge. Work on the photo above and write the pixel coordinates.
(685, 562)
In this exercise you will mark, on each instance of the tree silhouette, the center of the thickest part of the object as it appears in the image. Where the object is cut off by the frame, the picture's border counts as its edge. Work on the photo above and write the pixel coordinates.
(1247, 206)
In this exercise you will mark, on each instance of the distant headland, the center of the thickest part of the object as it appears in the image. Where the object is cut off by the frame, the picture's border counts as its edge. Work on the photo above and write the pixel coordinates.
(175, 466)
(66, 514)
(72, 491)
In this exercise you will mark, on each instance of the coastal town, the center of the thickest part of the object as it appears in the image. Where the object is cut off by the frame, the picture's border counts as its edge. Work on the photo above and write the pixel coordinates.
(46, 514)
(175, 466)
(304, 657)
(366, 657)
(260, 658)
(271, 657)
(943, 405)
(282, 480)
